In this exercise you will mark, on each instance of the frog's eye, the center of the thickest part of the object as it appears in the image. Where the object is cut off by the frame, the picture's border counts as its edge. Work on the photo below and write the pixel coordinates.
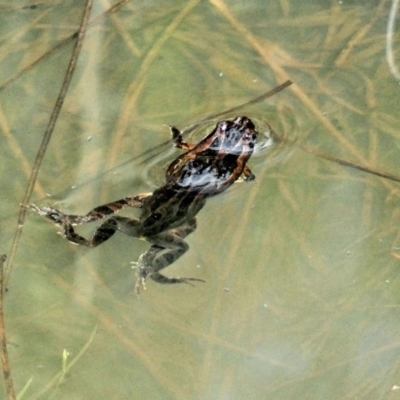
(249, 137)
(223, 126)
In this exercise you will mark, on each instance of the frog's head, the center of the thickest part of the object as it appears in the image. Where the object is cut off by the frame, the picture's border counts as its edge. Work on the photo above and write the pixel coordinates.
(235, 137)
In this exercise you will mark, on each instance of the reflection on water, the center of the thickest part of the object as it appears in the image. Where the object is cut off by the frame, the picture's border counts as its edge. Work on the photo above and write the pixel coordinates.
(301, 266)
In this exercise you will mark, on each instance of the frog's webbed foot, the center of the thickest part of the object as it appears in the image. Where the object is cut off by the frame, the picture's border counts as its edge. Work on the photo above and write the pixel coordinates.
(62, 220)
(52, 214)
(157, 277)
(151, 262)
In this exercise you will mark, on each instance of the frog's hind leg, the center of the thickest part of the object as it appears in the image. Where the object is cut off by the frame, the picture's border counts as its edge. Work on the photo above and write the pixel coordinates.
(97, 213)
(171, 246)
(105, 230)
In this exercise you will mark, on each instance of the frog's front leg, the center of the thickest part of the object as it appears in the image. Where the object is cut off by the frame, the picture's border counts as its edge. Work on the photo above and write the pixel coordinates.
(166, 249)
(249, 176)
(177, 139)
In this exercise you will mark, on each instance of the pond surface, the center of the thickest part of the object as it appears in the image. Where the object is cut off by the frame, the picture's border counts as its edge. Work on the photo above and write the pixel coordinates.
(302, 266)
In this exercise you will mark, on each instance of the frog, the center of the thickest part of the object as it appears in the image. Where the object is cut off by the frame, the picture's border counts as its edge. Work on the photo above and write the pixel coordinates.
(169, 214)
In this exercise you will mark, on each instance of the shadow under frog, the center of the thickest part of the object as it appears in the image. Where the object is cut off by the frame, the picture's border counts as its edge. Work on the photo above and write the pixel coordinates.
(168, 214)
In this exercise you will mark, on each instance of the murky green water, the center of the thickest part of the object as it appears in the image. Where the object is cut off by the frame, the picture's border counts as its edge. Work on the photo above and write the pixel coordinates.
(302, 266)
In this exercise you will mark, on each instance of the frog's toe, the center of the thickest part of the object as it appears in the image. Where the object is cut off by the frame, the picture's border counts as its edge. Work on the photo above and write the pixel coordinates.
(188, 280)
(34, 207)
(140, 283)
